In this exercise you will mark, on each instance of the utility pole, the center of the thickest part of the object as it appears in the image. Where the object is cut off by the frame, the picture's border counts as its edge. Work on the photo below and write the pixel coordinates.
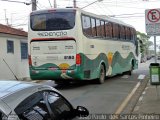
(74, 3)
(55, 4)
(6, 19)
(34, 5)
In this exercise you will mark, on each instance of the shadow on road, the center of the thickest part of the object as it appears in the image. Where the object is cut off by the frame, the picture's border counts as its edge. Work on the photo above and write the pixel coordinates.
(83, 83)
(73, 85)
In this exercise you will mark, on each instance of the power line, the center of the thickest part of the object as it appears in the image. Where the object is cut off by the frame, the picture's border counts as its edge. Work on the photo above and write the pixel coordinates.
(98, 7)
(125, 6)
(104, 9)
(69, 2)
(107, 9)
(18, 19)
(16, 2)
(95, 8)
(130, 16)
(50, 3)
(120, 3)
(19, 25)
(131, 2)
(91, 3)
(126, 14)
(40, 6)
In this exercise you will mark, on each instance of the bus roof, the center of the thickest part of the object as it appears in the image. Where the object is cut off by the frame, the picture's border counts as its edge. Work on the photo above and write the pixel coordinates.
(53, 10)
(104, 17)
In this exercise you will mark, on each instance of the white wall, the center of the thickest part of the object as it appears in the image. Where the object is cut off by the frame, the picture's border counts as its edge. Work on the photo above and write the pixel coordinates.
(19, 66)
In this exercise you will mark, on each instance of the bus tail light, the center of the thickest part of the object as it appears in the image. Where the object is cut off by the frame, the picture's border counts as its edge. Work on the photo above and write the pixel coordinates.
(78, 59)
(29, 60)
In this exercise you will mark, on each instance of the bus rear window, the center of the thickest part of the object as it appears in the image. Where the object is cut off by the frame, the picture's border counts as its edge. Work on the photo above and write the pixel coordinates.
(52, 21)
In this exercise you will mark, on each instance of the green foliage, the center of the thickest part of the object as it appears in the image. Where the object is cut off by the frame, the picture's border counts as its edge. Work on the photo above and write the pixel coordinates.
(144, 42)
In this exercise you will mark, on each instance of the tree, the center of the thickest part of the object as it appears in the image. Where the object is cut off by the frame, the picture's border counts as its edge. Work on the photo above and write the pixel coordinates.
(144, 43)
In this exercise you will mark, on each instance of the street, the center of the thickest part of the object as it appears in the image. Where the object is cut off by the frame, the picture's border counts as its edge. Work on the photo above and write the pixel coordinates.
(104, 98)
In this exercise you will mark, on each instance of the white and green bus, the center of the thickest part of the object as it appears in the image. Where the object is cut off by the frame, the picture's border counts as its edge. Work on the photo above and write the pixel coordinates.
(71, 44)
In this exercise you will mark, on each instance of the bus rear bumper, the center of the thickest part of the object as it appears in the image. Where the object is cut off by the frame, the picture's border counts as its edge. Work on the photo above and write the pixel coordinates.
(56, 74)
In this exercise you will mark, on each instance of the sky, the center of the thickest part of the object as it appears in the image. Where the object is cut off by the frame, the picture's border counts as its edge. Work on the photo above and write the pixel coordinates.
(129, 11)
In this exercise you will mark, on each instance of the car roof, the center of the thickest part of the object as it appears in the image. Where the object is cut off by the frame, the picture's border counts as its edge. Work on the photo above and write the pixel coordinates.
(8, 87)
(13, 92)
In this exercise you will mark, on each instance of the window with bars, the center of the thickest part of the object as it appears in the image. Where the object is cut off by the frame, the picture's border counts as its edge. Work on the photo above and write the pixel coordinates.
(10, 46)
(24, 50)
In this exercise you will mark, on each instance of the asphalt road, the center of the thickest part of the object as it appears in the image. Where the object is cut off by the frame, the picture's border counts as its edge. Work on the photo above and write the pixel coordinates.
(105, 98)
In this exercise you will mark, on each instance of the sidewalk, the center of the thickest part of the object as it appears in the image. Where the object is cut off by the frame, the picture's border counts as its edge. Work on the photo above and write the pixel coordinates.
(149, 102)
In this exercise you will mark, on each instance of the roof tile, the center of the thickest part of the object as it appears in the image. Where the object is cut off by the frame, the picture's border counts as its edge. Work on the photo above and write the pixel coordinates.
(9, 30)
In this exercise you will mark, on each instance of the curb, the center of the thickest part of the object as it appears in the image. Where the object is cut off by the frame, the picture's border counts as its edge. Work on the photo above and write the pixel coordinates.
(135, 98)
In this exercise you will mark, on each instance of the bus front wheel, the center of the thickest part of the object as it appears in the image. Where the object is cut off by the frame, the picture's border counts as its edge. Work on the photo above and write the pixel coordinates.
(102, 75)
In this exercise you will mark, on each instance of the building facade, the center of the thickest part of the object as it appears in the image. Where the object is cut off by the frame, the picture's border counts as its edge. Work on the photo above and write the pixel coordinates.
(13, 53)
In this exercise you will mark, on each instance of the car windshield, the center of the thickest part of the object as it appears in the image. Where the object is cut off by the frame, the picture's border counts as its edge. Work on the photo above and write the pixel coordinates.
(29, 102)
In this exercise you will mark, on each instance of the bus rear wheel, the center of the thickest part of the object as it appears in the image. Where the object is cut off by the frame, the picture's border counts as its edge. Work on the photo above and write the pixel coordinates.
(102, 75)
(132, 68)
(130, 71)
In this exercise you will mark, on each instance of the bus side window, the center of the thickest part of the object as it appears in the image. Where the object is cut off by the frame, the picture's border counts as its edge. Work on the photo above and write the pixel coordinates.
(127, 33)
(103, 29)
(122, 32)
(108, 29)
(115, 31)
(118, 31)
(125, 29)
(98, 26)
(86, 25)
(111, 30)
(132, 34)
(93, 27)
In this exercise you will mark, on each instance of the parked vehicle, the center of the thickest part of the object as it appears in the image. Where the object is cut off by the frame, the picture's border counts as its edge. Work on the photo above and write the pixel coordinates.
(31, 101)
(149, 57)
(158, 57)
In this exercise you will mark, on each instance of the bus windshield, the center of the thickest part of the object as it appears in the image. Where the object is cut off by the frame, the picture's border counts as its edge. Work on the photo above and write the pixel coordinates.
(52, 21)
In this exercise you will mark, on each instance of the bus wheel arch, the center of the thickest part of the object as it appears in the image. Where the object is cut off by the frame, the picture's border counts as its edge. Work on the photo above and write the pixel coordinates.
(102, 73)
(132, 67)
